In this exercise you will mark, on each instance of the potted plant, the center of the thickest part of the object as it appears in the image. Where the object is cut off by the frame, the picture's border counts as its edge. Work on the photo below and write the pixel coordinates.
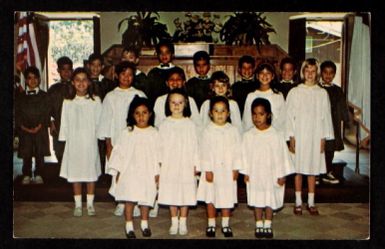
(143, 30)
(246, 28)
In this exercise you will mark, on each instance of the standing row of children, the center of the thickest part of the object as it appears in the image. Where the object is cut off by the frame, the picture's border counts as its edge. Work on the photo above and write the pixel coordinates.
(149, 163)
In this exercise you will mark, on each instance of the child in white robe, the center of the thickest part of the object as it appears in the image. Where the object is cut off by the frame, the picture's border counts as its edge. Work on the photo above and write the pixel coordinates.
(135, 162)
(221, 159)
(179, 160)
(220, 86)
(308, 125)
(79, 122)
(266, 163)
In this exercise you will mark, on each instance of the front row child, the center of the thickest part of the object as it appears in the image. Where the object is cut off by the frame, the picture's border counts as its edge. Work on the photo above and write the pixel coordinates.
(179, 160)
(135, 162)
(266, 162)
(79, 121)
(221, 159)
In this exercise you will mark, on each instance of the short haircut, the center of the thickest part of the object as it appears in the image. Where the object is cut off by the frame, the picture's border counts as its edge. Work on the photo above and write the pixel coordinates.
(122, 66)
(310, 62)
(266, 105)
(176, 70)
(201, 55)
(132, 49)
(288, 60)
(64, 60)
(330, 64)
(266, 66)
(33, 70)
(94, 57)
(167, 44)
(186, 110)
(220, 76)
(135, 103)
(217, 99)
(246, 59)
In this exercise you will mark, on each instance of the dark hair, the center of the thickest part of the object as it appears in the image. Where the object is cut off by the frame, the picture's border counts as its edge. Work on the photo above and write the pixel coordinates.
(167, 44)
(94, 57)
(176, 70)
(186, 110)
(122, 66)
(270, 68)
(217, 99)
(326, 64)
(221, 77)
(201, 55)
(135, 103)
(246, 59)
(288, 60)
(64, 60)
(32, 70)
(71, 88)
(266, 105)
(132, 49)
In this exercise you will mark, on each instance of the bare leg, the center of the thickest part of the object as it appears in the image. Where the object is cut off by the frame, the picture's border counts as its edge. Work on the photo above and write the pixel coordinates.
(184, 211)
(311, 183)
(91, 188)
(129, 207)
(258, 213)
(298, 182)
(173, 211)
(268, 213)
(211, 211)
(226, 212)
(144, 210)
(77, 187)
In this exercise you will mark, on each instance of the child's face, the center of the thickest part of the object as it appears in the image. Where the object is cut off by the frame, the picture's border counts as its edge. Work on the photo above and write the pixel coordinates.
(219, 113)
(220, 88)
(265, 77)
(175, 81)
(177, 104)
(246, 71)
(328, 75)
(32, 81)
(126, 78)
(130, 56)
(202, 67)
(81, 84)
(65, 72)
(165, 55)
(310, 74)
(260, 116)
(95, 68)
(141, 116)
(287, 72)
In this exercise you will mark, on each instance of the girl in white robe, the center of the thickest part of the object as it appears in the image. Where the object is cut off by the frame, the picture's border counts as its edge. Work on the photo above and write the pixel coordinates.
(266, 74)
(308, 125)
(220, 86)
(179, 160)
(135, 163)
(266, 162)
(80, 119)
(220, 161)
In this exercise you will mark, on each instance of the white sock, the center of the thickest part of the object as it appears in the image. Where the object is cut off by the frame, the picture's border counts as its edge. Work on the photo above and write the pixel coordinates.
(211, 222)
(182, 221)
(90, 200)
(144, 224)
(174, 221)
(267, 224)
(78, 200)
(225, 221)
(298, 198)
(129, 226)
(310, 199)
(259, 223)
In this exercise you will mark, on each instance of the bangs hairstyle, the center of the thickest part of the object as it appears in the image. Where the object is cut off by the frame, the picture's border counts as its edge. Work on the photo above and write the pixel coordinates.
(186, 110)
(135, 103)
(71, 88)
(223, 78)
(310, 62)
(32, 70)
(271, 69)
(266, 106)
(123, 66)
(176, 70)
(218, 99)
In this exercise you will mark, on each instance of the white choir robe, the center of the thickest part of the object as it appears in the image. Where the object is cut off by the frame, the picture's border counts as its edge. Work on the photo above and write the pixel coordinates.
(308, 121)
(79, 122)
(220, 154)
(265, 159)
(136, 157)
(179, 155)
(277, 103)
(235, 114)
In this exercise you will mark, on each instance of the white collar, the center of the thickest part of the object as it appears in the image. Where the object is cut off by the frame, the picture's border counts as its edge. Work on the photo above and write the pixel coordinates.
(36, 90)
(170, 65)
(137, 72)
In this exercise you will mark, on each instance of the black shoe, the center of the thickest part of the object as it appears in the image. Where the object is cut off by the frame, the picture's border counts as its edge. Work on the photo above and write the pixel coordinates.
(130, 235)
(329, 178)
(259, 232)
(210, 231)
(227, 232)
(268, 233)
(146, 232)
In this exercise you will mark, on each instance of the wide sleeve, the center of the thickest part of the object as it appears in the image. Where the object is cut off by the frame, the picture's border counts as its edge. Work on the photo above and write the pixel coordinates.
(204, 113)
(246, 118)
(280, 114)
(237, 151)
(104, 128)
(157, 152)
(283, 162)
(235, 116)
(195, 117)
(64, 126)
(290, 114)
(207, 160)
(159, 110)
(195, 148)
(327, 124)
(119, 155)
(245, 156)
(98, 112)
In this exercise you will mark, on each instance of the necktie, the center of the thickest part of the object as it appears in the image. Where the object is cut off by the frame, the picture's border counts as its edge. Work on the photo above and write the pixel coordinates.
(165, 65)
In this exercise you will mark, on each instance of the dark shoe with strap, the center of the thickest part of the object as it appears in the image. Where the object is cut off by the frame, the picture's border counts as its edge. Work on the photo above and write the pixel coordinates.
(259, 234)
(268, 233)
(210, 232)
(297, 210)
(131, 235)
(312, 210)
(146, 232)
(227, 232)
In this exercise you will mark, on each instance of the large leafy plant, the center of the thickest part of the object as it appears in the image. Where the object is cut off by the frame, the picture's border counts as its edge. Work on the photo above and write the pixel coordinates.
(143, 29)
(246, 28)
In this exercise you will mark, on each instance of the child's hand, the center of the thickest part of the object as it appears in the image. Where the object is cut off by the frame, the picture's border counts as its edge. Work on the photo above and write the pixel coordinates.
(108, 148)
(36, 129)
(235, 175)
(209, 176)
(52, 129)
(246, 179)
(323, 145)
(195, 171)
(292, 145)
(117, 177)
(281, 181)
